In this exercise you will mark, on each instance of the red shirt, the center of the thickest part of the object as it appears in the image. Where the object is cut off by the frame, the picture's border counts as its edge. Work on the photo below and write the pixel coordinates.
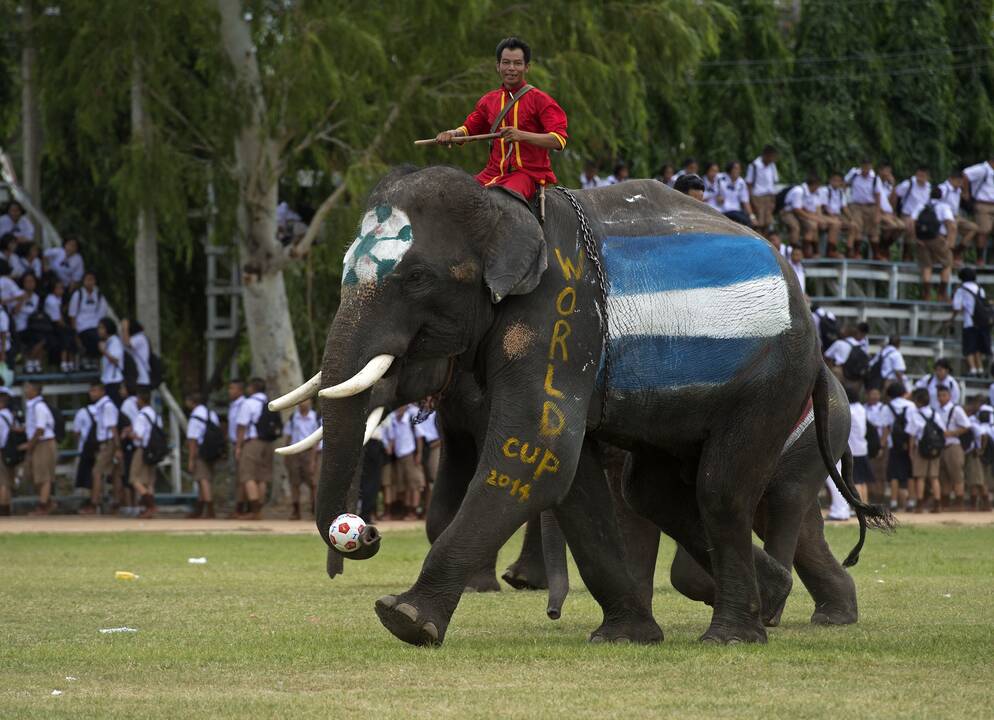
(535, 112)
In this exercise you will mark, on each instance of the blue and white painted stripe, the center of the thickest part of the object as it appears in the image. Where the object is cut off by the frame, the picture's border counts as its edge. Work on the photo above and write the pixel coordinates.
(690, 309)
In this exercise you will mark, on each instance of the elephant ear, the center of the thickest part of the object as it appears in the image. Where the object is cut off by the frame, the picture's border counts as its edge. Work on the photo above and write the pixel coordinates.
(516, 256)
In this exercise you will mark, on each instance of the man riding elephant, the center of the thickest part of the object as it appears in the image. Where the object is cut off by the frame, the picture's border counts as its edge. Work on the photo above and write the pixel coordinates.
(530, 123)
(635, 316)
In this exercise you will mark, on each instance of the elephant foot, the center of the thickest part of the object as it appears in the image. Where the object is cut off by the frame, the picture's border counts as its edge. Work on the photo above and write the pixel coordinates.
(634, 629)
(835, 615)
(402, 618)
(485, 581)
(774, 587)
(522, 576)
(724, 634)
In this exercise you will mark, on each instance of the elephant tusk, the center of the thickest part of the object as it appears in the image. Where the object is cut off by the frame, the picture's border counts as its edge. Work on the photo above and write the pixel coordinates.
(303, 445)
(371, 422)
(361, 381)
(295, 397)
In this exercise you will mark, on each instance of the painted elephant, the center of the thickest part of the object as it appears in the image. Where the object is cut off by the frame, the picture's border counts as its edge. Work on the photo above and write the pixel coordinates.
(637, 316)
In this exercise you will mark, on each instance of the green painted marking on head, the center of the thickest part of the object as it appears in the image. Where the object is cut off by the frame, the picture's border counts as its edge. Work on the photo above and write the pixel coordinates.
(384, 237)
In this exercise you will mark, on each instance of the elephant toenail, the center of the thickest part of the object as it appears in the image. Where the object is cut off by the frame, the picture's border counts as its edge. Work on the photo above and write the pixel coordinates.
(430, 630)
(387, 601)
(621, 640)
(408, 611)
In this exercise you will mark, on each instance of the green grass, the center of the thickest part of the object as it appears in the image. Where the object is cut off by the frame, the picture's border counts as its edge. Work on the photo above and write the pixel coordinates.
(261, 632)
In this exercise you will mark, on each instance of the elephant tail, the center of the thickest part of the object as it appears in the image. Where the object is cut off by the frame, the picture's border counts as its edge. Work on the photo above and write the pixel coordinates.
(874, 516)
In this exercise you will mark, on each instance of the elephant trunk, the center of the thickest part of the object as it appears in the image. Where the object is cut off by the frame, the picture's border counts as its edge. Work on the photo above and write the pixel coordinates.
(554, 552)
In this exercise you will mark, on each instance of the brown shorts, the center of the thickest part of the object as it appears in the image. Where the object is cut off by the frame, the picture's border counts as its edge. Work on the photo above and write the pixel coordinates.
(39, 466)
(934, 252)
(203, 470)
(256, 462)
(299, 469)
(389, 473)
(412, 477)
(433, 453)
(864, 220)
(951, 467)
(984, 213)
(6, 476)
(922, 469)
(141, 474)
(977, 474)
(103, 465)
(763, 206)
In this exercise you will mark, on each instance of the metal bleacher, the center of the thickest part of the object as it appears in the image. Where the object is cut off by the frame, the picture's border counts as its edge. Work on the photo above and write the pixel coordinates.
(886, 295)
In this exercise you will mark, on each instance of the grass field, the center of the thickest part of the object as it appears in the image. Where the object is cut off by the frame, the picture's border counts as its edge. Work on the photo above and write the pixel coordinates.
(259, 631)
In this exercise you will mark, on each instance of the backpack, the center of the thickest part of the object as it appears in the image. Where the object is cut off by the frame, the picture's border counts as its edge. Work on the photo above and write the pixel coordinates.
(982, 314)
(927, 225)
(60, 425)
(901, 200)
(154, 370)
(966, 439)
(987, 456)
(91, 445)
(269, 426)
(875, 375)
(40, 323)
(214, 443)
(130, 370)
(11, 454)
(856, 365)
(828, 328)
(158, 445)
(899, 430)
(781, 198)
(933, 438)
(872, 441)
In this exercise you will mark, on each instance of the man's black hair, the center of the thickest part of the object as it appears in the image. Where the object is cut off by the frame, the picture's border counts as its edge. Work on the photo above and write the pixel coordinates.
(812, 178)
(730, 165)
(968, 274)
(257, 385)
(936, 192)
(97, 384)
(135, 327)
(109, 325)
(943, 363)
(688, 182)
(864, 328)
(941, 388)
(195, 397)
(619, 167)
(920, 397)
(922, 168)
(852, 393)
(895, 391)
(688, 162)
(769, 150)
(955, 173)
(513, 43)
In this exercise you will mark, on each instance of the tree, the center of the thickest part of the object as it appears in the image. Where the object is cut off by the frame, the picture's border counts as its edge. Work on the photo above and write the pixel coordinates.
(30, 114)
(968, 24)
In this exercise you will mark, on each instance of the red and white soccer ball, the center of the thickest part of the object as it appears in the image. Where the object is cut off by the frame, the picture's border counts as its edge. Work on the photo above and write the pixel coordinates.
(345, 531)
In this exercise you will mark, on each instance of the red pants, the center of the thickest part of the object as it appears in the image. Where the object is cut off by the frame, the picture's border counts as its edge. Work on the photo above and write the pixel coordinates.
(517, 181)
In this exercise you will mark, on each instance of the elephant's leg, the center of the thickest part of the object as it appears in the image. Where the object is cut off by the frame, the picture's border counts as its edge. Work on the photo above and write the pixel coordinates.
(594, 539)
(730, 482)
(832, 588)
(655, 489)
(528, 571)
(690, 579)
(640, 536)
(457, 464)
(778, 523)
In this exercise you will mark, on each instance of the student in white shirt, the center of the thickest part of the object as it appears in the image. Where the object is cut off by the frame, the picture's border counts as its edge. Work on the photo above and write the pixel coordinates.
(105, 418)
(589, 178)
(689, 167)
(66, 263)
(796, 262)
(620, 174)
(236, 396)
(86, 308)
(665, 174)
(30, 341)
(733, 195)
(61, 341)
(201, 417)
(924, 471)
(864, 206)
(302, 468)
(803, 215)
(39, 462)
(979, 473)
(407, 449)
(6, 336)
(838, 352)
(911, 196)
(762, 179)
(976, 339)
(137, 346)
(878, 465)
(711, 190)
(81, 424)
(956, 424)
(931, 251)
(254, 455)
(891, 226)
(862, 474)
(941, 375)
(7, 423)
(981, 179)
(893, 366)
(26, 260)
(112, 358)
(898, 413)
(142, 475)
(427, 430)
(951, 193)
(15, 222)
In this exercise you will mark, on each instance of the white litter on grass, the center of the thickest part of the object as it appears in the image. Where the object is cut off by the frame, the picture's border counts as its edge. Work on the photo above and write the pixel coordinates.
(197, 561)
(105, 631)
(879, 580)
(70, 678)
(947, 595)
(56, 693)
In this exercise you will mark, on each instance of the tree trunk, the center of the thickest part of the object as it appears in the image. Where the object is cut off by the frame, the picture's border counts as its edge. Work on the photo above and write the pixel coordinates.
(147, 242)
(30, 115)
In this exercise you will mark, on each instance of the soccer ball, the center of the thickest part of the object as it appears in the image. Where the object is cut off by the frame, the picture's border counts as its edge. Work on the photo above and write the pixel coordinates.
(345, 531)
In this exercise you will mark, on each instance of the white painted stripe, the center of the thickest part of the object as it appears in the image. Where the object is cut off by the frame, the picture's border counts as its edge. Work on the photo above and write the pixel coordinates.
(750, 309)
(799, 430)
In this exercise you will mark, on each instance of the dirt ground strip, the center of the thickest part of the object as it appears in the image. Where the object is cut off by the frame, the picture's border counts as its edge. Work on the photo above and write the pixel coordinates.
(76, 524)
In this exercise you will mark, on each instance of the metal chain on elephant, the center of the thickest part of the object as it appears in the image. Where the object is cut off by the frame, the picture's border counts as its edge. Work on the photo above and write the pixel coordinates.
(594, 256)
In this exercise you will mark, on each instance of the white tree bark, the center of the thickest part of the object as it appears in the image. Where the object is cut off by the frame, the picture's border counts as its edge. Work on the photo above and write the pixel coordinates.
(30, 115)
(267, 313)
(147, 241)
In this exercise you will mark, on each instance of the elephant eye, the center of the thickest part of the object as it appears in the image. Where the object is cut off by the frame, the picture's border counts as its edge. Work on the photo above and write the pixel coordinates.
(415, 275)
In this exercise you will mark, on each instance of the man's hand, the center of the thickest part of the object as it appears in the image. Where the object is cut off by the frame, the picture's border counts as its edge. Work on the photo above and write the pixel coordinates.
(445, 137)
(512, 134)
(102, 346)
